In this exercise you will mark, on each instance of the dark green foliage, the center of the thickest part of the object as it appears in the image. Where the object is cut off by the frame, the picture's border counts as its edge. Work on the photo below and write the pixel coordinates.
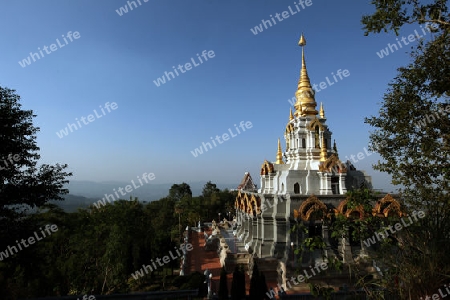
(190, 282)
(393, 14)
(223, 285)
(180, 191)
(412, 135)
(241, 290)
(255, 281)
(263, 289)
(95, 251)
(24, 187)
(238, 284)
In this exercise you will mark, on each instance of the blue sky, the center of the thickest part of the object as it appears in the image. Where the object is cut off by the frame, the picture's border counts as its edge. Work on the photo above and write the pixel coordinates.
(154, 129)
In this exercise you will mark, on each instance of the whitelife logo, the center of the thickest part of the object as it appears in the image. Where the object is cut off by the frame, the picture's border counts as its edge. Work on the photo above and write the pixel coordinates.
(224, 136)
(90, 118)
(284, 15)
(436, 296)
(124, 9)
(27, 61)
(49, 228)
(10, 162)
(187, 66)
(166, 259)
(372, 241)
(411, 38)
(444, 111)
(323, 85)
(110, 197)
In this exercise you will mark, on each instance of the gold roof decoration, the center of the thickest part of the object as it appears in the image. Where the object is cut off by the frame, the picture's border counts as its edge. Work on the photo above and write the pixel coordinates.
(267, 168)
(321, 111)
(279, 155)
(291, 116)
(311, 207)
(248, 206)
(330, 163)
(357, 212)
(289, 128)
(256, 204)
(387, 206)
(323, 150)
(298, 109)
(315, 122)
(306, 103)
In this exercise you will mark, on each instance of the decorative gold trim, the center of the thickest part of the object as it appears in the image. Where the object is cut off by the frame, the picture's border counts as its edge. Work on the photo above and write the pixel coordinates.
(323, 150)
(321, 111)
(267, 168)
(310, 206)
(332, 161)
(315, 122)
(349, 213)
(289, 128)
(386, 206)
(279, 154)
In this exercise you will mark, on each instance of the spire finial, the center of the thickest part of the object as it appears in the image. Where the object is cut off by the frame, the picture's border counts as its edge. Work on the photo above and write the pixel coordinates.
(322, 111)
(305, 93)
(302, 41)
(279, 154)
(291, 116)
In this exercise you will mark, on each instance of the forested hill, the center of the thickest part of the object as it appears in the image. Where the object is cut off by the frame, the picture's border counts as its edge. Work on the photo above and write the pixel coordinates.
(84, 193)
(146, 192)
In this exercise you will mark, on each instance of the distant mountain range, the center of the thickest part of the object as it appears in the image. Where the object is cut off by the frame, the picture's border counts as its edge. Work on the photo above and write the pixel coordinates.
(84, 193)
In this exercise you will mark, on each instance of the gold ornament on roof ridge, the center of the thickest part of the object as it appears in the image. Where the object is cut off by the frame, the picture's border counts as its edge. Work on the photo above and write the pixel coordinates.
(322, 111)
(279, 154)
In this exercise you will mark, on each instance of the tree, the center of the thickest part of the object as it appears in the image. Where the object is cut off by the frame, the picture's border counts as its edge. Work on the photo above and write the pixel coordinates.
(263, 287)
(412, 135)
(180, 191)
(235, 282)
(24, 187)
(209, 189)
(393, 14)
(223, 285)
(242, 290)
(255, 281)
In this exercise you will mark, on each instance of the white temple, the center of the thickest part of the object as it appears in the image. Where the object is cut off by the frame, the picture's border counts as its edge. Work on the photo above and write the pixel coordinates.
(307, 177)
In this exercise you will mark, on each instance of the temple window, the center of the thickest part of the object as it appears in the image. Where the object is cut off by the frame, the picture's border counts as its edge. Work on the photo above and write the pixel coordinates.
(335, 184)
(316, 137)
(296, 188)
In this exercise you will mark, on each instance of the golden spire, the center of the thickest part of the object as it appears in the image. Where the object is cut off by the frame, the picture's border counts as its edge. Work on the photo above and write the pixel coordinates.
(306, 102)
(322, 112)
(291, 116)
(323, 150)
(279, 154)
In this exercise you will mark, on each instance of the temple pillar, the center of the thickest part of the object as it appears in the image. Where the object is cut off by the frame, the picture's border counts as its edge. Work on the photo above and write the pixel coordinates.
(342, 188)
(268, 231)
(325, 183)
(344, 248)
(325, 236)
